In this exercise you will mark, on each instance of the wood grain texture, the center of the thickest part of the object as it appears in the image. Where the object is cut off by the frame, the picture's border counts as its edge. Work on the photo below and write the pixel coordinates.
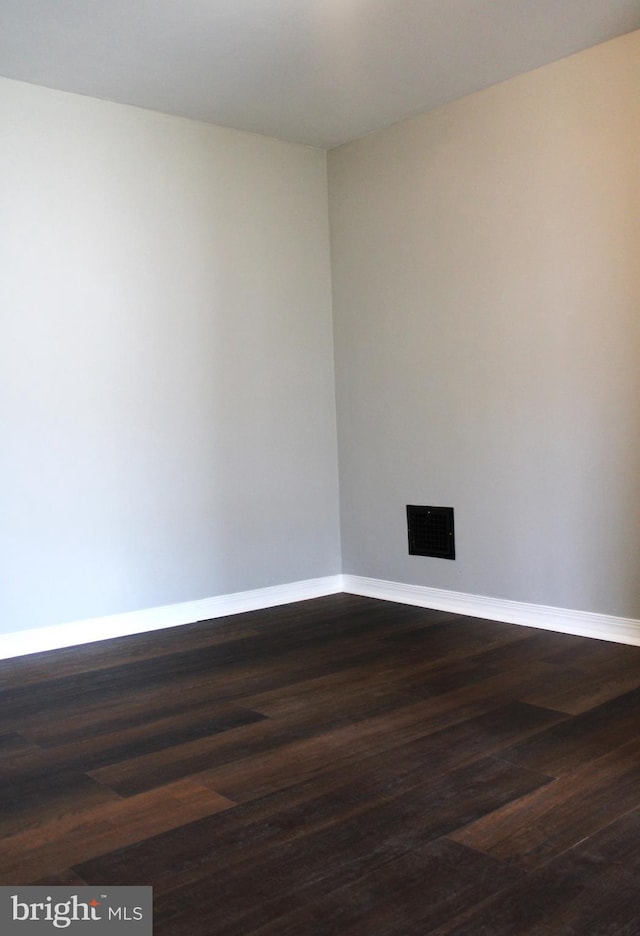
(338, 766)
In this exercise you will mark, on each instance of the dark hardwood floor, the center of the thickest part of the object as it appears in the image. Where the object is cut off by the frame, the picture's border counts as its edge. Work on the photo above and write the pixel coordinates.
(339, 766)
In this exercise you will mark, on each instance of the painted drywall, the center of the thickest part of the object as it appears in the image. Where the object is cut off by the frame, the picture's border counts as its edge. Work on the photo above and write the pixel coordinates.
(167, 412)
(486, 289)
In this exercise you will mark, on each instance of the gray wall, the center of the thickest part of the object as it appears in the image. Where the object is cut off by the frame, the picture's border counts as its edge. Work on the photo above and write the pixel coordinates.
(486, 276)
(167, 411)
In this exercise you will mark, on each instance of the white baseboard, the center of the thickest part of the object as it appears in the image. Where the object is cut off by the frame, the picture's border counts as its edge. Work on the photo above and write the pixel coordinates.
(581, 623)
(149, 619)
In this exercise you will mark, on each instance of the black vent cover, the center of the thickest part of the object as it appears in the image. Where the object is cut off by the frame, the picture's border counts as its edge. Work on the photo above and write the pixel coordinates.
(431, 532)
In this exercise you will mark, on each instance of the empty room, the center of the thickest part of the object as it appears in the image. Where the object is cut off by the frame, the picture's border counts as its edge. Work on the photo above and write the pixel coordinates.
(320, 467)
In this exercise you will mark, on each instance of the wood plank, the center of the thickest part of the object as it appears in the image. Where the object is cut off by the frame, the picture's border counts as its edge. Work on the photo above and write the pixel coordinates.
(274, 820)
(425, 886)
(590, 680)
(339, 765)
(579, 740)
(47, 793)
(32, 854)
(591, 890)
(312, 865)
(460, 743)
(549, 821)
(258, 759)
(87, 751)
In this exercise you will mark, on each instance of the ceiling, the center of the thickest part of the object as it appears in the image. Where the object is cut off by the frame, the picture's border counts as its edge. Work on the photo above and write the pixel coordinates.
(313, 71)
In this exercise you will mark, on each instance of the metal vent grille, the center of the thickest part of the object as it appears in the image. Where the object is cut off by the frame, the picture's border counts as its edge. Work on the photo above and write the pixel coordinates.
(431, 532)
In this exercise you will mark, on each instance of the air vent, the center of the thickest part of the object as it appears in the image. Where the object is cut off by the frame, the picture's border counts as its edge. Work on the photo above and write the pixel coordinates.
(431, 532)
